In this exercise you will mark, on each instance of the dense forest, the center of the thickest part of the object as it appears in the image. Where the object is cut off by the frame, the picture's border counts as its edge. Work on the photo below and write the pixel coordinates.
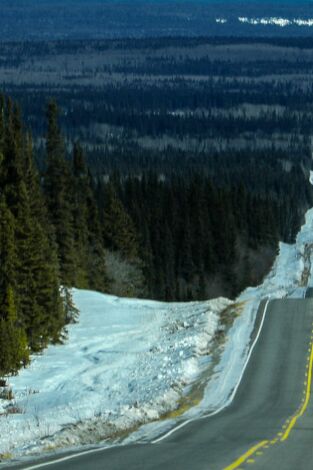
(32, 311)
(170, 237)
(165, 171)
(155, 102)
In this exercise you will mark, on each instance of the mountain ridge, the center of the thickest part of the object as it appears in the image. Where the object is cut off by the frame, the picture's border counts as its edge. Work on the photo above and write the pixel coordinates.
(99, 19)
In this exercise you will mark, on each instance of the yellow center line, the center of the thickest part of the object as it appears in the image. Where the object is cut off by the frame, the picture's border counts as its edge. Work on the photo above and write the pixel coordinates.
(306, 401)
(292, 421)
(246, 456)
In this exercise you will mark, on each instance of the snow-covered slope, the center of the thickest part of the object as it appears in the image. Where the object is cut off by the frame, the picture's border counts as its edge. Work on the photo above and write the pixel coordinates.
(126, 362)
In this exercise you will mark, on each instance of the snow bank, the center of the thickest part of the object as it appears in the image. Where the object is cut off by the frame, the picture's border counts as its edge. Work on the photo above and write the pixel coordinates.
(126, 362)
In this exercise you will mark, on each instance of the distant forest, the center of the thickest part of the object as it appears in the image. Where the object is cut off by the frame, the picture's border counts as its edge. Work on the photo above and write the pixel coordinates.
(149, 100)
(159, 170)
(56, 19)
(163, 124)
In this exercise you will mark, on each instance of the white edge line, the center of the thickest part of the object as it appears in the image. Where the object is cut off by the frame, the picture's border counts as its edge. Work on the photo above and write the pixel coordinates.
(232, 396)
(172, 431)
(68, 457)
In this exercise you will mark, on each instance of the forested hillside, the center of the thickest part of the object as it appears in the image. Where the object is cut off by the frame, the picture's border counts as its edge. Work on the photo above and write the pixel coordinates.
(31, 308)
(198, 231)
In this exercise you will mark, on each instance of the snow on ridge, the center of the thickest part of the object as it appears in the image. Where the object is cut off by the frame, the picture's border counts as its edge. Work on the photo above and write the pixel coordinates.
(271, 21)
(126, 362)
(276, 21)
(221, 20)
(302, 22)
(282, 22)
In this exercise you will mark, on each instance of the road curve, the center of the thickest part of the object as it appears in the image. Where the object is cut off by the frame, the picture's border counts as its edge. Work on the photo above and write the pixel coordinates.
(268, 425)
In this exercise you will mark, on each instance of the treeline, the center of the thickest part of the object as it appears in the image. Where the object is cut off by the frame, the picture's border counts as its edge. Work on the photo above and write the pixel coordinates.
(208, 67)
(258, 168)
(157, 233)
(32, 312)
(200, 239)
(51, 238)
(206, 125)
(95, 237)
(177, 107)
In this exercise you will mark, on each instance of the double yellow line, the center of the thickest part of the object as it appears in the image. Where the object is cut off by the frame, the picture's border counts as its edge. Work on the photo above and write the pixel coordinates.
(245, 456)
(306, 401)
(283, 436)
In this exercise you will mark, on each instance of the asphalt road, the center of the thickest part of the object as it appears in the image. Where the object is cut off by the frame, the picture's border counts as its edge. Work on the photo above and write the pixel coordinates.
(261, 429)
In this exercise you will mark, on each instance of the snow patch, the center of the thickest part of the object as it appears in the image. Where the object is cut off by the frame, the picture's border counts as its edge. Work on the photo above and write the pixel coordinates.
(221, 20)
(125, 363)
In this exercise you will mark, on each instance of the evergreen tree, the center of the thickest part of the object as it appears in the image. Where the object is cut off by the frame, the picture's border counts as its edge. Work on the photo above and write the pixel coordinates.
(58, 184)
(80, 217)
(14, 351)
(118, 228)
(32, 275)
(8, 254)
(87, 229)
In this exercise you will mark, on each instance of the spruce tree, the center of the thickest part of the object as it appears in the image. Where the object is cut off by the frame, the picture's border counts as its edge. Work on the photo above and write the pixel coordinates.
(118, 228)
(14, 351)
(57, 185)
(34, 278)
(87, 229)
(80, 217)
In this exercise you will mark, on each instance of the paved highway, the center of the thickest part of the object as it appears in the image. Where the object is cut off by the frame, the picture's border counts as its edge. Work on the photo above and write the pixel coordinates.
(268, 425)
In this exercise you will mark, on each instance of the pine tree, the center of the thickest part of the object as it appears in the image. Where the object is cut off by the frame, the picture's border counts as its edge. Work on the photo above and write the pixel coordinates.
(8, 254)
(186, 265)
(33, 261)
(118, 228)
(57, 184)
(80, 217)
(87, 229)
(13, 340)
(14, 350)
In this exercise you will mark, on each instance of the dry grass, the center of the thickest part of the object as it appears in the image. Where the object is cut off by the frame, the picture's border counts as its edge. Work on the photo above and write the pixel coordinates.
(185, 404)
(231, 312)
(5, 456)
(6, 393)
(307, 265)
(13, 410)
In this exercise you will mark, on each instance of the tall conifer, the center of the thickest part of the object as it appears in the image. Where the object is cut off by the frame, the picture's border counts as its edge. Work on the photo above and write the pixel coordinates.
(57, 184)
